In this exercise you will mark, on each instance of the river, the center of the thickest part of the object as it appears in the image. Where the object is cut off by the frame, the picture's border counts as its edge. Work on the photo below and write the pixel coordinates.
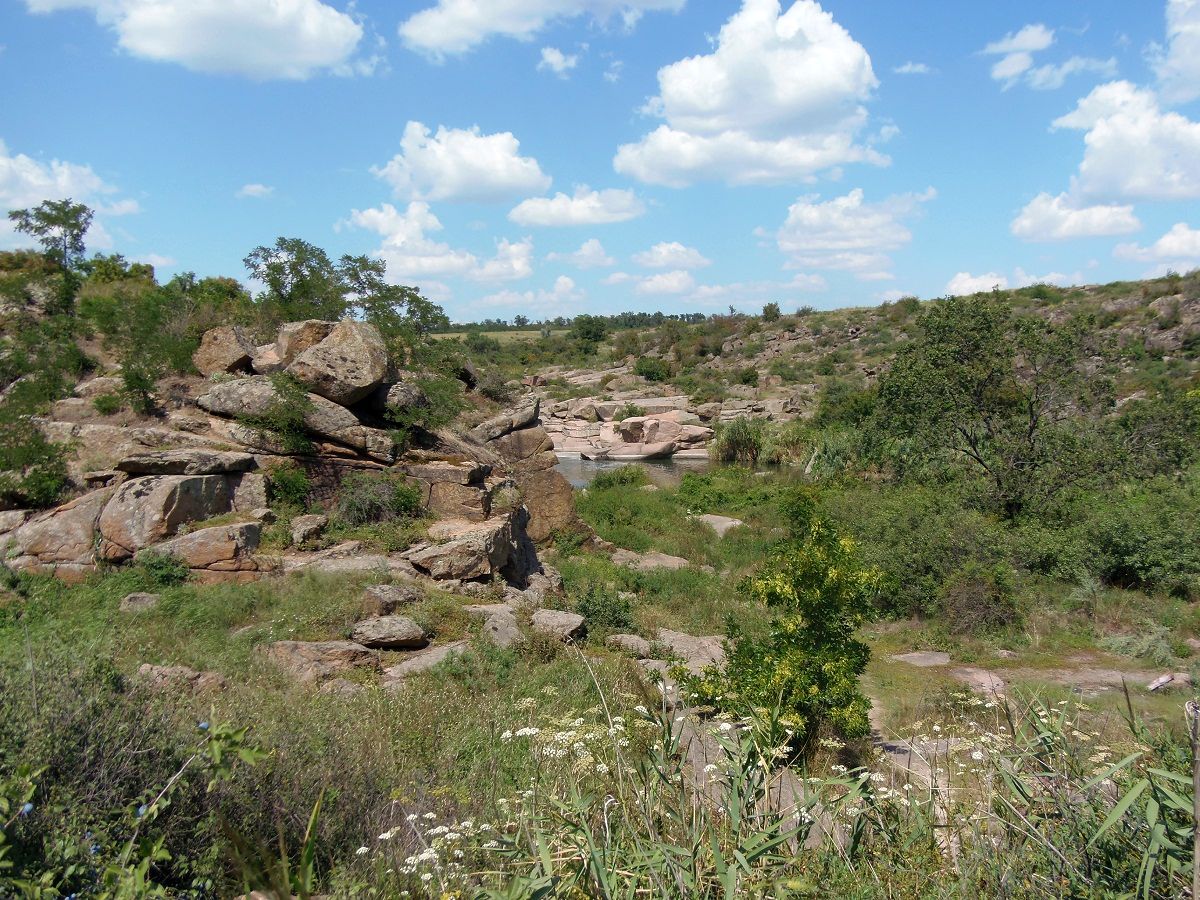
(663, 472)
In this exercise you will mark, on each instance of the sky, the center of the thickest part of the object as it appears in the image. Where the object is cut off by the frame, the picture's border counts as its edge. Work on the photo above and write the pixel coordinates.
(553, 157)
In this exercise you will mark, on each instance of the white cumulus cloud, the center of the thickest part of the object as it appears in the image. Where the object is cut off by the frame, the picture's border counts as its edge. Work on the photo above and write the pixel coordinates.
(1133, 150)
(780, 98)
(254, 190)
(848, 233)
(1178, 66)
(456, 26)
(965, 283)
(512, 262)
(676, 282)
(1016, 51)
(913, 68)
(584, 207)
(590, 255)
(261, 39)
(460, 164)
(1178, 249)
(558, 300)
(557, 62)
(671, 255)
(1056, 218)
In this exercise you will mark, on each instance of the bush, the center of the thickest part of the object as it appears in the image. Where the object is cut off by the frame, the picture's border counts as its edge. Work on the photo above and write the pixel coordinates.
(739, 441)
(604, 607)
(365, 498)
(443, 402)
(495, 388)
(748, 376)
(160, 570)
(629, 411)
(652, 369)
(289, 485)
(977, 599)
(107, 404)
(770, 312)
(283, 422)
(620, 477)
(808, 663)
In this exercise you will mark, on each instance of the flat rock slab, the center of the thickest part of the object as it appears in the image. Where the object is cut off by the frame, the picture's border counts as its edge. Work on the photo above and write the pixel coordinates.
(161, 678)
(138, 601)
(422, 662)
(318, 660)
(979, 680)
(645, 562)
(923, 659)
(633, 644)
(385, 599)
(719, 524)
(186, 462)
(390, 633)
(697, 653)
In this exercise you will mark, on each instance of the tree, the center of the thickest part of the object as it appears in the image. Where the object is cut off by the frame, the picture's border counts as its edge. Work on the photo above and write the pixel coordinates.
(589, 331)
(520, 321)
(1010, 395)
(770, 312)
(300, 281)
(60, 227)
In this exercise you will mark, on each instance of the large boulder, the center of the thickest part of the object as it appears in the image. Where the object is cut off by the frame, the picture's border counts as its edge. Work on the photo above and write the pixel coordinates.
(294, 338)
(311, 661)
(385, 599)
(64, 537)
(186, 462)
(346, 366)
(390, 633)
(401, 395)
(219, 549)
(566, 626)
(550, 500)
(512, 420)
(227, 348)
(145, 511)
(469, 551)
(527, 449)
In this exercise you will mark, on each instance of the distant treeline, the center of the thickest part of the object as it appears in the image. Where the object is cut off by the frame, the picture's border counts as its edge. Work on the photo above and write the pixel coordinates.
(612, 323)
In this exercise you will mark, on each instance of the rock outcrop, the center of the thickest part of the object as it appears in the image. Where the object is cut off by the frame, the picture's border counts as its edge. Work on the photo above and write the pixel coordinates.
(344, 366)
(223, 350)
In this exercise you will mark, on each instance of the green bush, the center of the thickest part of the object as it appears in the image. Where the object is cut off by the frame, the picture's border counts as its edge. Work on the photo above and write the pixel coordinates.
(604, 607)
(740, 441)
(808, 662)
(284, 421)
(441, 406)
(977, 599)
(652, 369)
(288, 485)
(619, 477)
(770, 312)
(493, 386)
(107, 404)
(629, 411)
(160, 570)
(365, 498)
(747, 376)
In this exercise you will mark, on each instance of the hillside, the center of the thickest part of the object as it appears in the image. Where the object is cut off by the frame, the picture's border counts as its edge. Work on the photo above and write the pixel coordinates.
(296, 601)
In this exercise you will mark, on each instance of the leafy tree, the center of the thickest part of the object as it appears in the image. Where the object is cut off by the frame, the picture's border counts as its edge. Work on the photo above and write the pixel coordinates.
(808, 663)
(588, 331)
(59, 226)
(1011, 396)
(300, 280)
(520, 321)
(770, 312)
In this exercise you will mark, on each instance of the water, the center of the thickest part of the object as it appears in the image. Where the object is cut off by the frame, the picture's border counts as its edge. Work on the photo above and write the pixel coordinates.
(665, 473)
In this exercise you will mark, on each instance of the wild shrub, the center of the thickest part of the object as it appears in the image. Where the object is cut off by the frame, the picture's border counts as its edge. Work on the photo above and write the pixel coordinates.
(107, 404)
(622, 476)
(808, 662)
(1151, 642)
(770, 312)
(977, 599)
(629, 411)
(740, 441)
(493, 386)
(160, 570)
(747, 376)
(288, 485)
(365, 498)
(284, 420)
(604, 607)
(442, 404)
(652, 369)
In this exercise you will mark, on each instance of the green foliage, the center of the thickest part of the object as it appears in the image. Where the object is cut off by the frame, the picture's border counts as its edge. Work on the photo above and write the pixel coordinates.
(288, 485)
(588, 331)
(747, 376)
(740, 441)
(652, 369)
(629, 411)
(493, 386)
(770, 312)
(107, 404)
(59, 226)
(367, 497)
(809, 661)
(623, 476)
(160, 570)
(284, 420)
(603, 607)
(1151, 642)
(842, 402)
(1007, 395)
(977, 599)
(441, 406)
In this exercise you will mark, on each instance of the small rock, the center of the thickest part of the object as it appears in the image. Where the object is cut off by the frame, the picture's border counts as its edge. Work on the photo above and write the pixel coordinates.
(385, 599)
(633, 644)
(318, 660)
(567, 626)
(390, 633)
(422, 662)
(263, 515)
(720, 524)
(138, 601)
(501, 628)
(175, 677)
(923, 659)
(308, 528)
(341, 687)
(644, 562)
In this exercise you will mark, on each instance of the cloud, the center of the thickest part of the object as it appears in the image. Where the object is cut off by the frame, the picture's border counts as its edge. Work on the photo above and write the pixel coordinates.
(1047, 218)
(1132, 149)
(590, 255)
(745, 291)
(847, 233)
(676, 282)
(159, 262)
(1179, 249)
(410, 253)
(965, 283)
(1178, 67)
(456, 26)
(26, 182)
(254, 190)
(1016, 52)
(585, 207)
(261, 39)
(1021, 278)
(460, 164)
(913, 68)
(780, 98)
(613, 73)
(557, 62)
(556, 300)
(673, 255)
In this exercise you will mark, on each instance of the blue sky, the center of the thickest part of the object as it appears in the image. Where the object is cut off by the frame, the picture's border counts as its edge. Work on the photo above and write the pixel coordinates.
(549, 157)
